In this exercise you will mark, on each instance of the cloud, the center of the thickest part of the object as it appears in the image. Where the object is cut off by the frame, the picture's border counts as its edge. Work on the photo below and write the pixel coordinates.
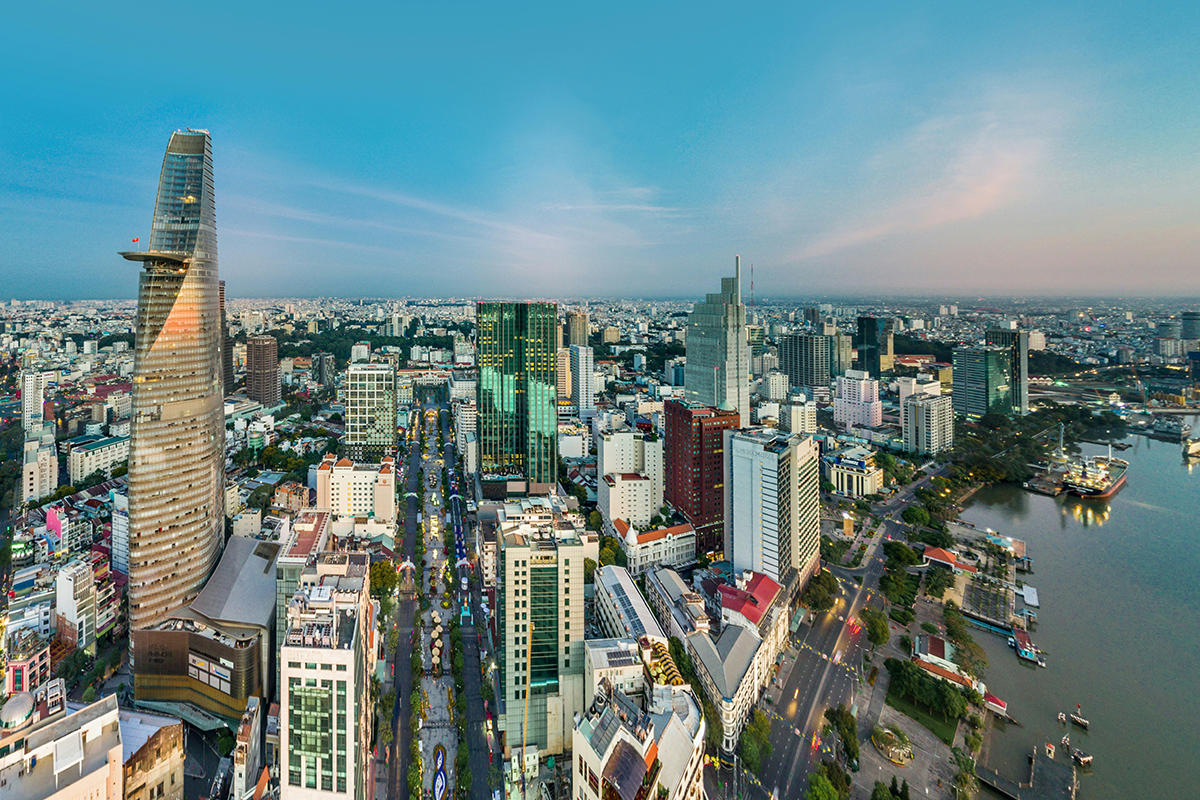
(951, 167)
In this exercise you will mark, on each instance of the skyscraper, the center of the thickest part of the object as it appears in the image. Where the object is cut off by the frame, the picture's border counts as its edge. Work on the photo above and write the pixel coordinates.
(857, 401)
(1190, 327)
(772, 501)
(33, 397)
(517, 388)
(262, 370)
(1017, 344)
(695, 467)
(928, 423)
(563, 367)
(875, 344)
(982, 381)
(370, 411)
(805, 359)
(324, 368)
(717, 373)
(577, 329)
(841, 353)
(226, 348)
(582, 389)
(177, 438)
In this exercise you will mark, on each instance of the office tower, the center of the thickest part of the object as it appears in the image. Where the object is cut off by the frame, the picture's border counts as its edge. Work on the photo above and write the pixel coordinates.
(928, 423)
(857, 402)
(558, 337)
(577, 329)
(1037, 340)
(226, 348)
(696, 467)
(360, 352)
(1017, 344)
(33, 397)
(772, 520)
(610, 335)
(629, 470)
(812, 317)
(717, 372)
(262, 370)
(324, 369)
(756, 338)
(583, 392)
(540, 620)
(1190, 325)
(370, 411)
(774, 386)
(841, 353)
(983, 381)
(327, 659)
(875, 344)
(177, 439)
(518, 414)
(562, 359)
(805, 359)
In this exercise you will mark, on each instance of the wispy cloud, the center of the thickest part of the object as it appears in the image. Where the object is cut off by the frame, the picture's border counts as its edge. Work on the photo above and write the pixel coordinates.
(950, 168)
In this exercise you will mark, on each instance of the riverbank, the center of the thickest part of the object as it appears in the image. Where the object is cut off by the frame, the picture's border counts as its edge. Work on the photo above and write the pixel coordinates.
(1120, 626)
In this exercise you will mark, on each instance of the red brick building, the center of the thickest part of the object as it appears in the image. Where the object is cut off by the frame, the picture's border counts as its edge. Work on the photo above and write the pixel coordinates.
(695, 467)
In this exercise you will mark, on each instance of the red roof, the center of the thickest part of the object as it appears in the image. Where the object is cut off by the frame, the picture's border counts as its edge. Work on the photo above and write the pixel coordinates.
(754, 600)
(942, 673)
(946, 557)
(937, 647)
(345, 462)
(662, 533)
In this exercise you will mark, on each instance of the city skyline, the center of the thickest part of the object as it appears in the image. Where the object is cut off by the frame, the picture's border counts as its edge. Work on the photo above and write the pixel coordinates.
(1040, 151)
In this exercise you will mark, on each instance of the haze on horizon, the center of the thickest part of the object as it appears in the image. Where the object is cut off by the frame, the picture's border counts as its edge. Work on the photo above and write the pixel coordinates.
(884, 150)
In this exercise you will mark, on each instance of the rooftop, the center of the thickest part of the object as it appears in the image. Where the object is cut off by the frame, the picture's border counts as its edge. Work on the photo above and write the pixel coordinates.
(631, 607)
(728, 659)
(242, 589)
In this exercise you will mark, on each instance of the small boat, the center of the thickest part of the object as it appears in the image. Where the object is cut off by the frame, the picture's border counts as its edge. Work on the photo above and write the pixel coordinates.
(1012, 642)
(1062, 717)
(1066, 741)
(1049, 750)
(1041, 662)
(1081, 758)
(1080, 721)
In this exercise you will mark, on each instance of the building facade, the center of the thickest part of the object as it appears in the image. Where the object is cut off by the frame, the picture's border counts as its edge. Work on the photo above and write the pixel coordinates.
(177, 439)
(876, 353)
(262, 370)
(772, 501)
(101, 455)
(928, 423)
(805, 359)
(347, 489)
(517, 394)
(857, 401)
(583, 389)
(370, 411)
(577, 329)
(540, 627)
(33, 397)
(1017, 343)
(695, 464)
(39, 464)
(983, 381)
(717, 372)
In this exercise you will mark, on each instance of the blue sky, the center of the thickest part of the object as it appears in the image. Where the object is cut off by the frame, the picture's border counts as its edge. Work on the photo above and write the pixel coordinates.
(624, 149)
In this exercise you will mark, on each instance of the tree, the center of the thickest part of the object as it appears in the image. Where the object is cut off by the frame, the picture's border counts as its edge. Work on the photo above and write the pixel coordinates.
(915, 515)
(89, 694)
(383, 579)
(900, 554)
(818, 595)
(594, 521)
(877, 626)
(749, 754)
(589, 570)
(882, 792)
(606, 557)
(261, 497)
(837, 777)
(819, 788)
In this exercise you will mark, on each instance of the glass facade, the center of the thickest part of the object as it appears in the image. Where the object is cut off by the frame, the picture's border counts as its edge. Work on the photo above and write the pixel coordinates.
(177, 438)
(370, 411)
(517, 391)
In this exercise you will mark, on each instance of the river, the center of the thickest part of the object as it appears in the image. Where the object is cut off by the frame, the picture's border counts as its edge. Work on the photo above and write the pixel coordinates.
(1119, 586)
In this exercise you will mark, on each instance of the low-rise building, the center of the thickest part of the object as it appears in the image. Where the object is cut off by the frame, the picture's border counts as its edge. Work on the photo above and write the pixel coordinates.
(853, 472)
(101, 455)
(347, 489)
(618, 661)
(154, 756)
(680, 610)
(625, 496)
(664, 547)
(28, 663)
(621, 610)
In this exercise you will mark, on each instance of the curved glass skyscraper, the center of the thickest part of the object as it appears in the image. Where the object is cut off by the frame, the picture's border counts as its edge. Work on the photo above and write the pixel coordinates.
(177, 438)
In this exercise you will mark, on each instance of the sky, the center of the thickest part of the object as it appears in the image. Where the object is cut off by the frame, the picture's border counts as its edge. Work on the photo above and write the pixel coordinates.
(613, 149)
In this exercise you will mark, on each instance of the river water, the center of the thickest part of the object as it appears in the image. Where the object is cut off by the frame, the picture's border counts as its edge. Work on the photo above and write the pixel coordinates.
(1119, 586)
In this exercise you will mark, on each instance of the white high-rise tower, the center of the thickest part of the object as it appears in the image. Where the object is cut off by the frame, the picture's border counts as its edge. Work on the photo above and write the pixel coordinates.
(717, 372)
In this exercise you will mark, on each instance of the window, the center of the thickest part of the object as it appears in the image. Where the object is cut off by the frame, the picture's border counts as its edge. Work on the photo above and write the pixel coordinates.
(310, 666)
(327, 667)
(341, 667)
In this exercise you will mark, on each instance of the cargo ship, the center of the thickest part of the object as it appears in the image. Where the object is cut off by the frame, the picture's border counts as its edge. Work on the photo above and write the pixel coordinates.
(1095, 476)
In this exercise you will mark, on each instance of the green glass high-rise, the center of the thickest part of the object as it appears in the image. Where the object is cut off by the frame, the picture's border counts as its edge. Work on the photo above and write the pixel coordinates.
(517, 395)
(983, 381)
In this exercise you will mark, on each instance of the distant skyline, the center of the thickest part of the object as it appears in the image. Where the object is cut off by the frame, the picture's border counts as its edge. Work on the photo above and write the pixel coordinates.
(886, 150)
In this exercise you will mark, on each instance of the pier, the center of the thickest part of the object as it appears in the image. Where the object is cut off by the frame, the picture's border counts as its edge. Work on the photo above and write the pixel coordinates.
(1048, 780)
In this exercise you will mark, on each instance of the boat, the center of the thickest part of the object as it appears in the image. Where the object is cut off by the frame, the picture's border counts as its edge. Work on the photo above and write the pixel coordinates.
(1095, 476)
(1170, 427)
(1062, 717)
(1191, 448)
(1081, 758)
(1066, 740)
(1049, 750)
(1080, 721)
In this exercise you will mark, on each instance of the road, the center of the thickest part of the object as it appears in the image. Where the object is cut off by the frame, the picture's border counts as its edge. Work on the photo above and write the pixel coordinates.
(815, 682)
(404, 615)
(477, 749)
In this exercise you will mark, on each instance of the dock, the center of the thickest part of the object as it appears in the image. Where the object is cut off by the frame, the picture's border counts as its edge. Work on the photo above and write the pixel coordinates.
(1048, 780)
(1044, 484)
(1031, 596)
